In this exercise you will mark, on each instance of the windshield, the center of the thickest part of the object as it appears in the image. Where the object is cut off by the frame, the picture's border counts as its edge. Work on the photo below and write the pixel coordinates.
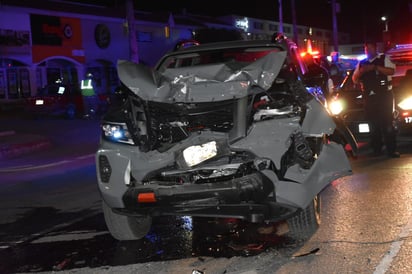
(238, 57)
(53, 90)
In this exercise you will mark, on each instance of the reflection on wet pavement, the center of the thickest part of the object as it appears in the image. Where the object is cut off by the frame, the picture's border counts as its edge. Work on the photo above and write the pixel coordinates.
(232, 237)
(88, 244)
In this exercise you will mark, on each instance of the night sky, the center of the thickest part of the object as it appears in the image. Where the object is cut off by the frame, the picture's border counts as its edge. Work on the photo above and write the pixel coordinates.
(360, 18)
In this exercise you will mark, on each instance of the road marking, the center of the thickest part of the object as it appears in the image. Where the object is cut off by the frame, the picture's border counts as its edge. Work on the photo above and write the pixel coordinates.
(16, 168)
(394, 250)
(86, 156)
(34, 167)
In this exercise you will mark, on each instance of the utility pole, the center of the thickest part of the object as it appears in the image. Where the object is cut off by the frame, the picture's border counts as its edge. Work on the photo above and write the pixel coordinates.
(134, 52)
(280, 17)
(335, 9)
(295, 27)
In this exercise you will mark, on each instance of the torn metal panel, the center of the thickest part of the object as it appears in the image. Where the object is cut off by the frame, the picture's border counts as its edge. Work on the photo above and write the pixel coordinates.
(202, 83)
(317, 121)
(331, 164)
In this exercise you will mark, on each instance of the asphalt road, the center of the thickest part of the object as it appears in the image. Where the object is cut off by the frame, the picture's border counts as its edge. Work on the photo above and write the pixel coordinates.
(366, 221)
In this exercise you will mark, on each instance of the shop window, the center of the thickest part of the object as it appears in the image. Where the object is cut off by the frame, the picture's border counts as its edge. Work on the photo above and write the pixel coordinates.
(273, 27)
(24, 82)
(113, 78)
(53, 75)
(12, 83)
(258, 25)
(39, 78)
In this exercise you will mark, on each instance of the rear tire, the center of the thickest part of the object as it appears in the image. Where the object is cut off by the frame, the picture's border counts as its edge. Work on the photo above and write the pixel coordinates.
(126, 228)
(306, 222)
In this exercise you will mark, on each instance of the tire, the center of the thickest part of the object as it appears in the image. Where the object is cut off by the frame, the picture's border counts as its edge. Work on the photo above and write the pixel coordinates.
(306, 222)
(126, 228)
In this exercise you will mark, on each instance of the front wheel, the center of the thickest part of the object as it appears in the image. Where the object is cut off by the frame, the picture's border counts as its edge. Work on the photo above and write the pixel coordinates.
(126, 228)
(306, 222)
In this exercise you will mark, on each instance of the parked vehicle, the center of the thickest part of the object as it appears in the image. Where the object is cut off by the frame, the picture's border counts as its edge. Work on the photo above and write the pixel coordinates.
(347, 103)
(219, 130)
(403, 104)
(62, 100)
(401, 56)
(56, 100)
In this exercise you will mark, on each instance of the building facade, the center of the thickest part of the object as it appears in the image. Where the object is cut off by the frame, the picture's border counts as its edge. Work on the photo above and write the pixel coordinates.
(39, 46)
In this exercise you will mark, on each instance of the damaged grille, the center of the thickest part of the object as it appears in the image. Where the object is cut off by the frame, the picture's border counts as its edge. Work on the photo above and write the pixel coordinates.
(167, 124)
(227, 167)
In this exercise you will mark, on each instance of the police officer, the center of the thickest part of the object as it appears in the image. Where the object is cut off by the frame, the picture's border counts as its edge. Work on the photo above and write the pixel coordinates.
(374, 76)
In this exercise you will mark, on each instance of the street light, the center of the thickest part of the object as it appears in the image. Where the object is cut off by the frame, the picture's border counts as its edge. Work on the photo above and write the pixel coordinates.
(386, 35)
(385, 20)
(335, 10)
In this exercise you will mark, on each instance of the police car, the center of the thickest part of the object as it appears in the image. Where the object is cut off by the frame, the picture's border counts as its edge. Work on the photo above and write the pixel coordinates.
(347, 103)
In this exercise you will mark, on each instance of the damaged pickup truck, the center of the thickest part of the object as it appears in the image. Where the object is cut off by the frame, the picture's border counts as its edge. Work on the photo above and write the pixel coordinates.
(224, 130)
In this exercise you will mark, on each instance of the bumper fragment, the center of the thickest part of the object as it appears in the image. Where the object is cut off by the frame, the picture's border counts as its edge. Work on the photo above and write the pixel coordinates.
(250, 188)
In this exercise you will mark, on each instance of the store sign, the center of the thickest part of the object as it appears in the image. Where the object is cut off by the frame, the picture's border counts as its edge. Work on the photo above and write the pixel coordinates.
(14, 38)
(55, 36)
(68, 31)
(55, 31)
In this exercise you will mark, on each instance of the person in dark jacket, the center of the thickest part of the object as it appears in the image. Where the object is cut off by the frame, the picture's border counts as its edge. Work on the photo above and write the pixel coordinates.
(318, 75)
(374, 76)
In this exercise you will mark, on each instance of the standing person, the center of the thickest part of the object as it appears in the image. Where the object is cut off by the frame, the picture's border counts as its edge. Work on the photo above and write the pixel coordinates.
(374, 75)
(89, 95)
(318, 75)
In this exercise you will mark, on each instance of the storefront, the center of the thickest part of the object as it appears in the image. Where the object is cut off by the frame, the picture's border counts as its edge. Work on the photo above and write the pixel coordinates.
(15, 60)
(14, 80)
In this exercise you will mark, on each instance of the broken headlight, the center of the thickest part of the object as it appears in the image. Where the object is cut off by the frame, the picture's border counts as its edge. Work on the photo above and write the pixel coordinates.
(116, 132)
(336, 106)
(197, 154)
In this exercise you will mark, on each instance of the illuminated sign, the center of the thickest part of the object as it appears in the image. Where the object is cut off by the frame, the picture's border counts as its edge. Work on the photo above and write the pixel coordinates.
(242, 24)
(55, 31)
(56, 36)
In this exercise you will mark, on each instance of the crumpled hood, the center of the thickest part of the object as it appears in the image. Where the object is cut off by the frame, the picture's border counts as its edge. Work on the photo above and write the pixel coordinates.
(203, 83)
